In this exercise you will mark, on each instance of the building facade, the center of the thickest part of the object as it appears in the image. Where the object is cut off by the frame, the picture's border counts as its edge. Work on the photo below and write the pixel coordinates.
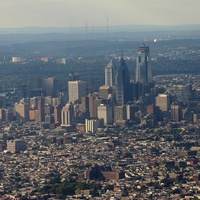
(123, 92)
(143, 69)
(110, 74)
(76, 89)
(105, 113)
(41, 113)
(22, 111)
(67, 115)
(91, 125)
(175, 112)
(51, 86)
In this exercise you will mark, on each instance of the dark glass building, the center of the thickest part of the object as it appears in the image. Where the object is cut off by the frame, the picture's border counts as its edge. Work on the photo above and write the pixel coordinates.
(123, 91)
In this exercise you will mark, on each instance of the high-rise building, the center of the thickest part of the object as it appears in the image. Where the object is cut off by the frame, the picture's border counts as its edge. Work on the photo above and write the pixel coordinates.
(123, 92)
(120, 113)
(76, 89)
(21, 92)
(105, 113)
(143, 69)
(22, 111)
(57, 114)
(130, 111)
(67, 115)
(183, 93)
(91, 125)
(51, 86)
(85, 106)
(48, 100)
(56, 101)
(94, 102)
(32, 116)
(163, 102)
(41, 113)
(175, 112)
(9, 114)
(110, 74)
(34, 102)
(106, 91)
(48, 109)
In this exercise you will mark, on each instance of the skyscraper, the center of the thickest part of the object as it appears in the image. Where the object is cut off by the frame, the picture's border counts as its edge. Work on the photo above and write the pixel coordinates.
(67, 115)
(22, 111)
(51, 86)
(105, 113)
(106, 91)
(175, 112)
(41, 114)
(21, 92)
(94, 102)
(76, 89)
(91, 125)
(110, 74)
(123, 92)
(120, 113)
(85, 105)
(143, 69)
(163, 102)
(57, 114)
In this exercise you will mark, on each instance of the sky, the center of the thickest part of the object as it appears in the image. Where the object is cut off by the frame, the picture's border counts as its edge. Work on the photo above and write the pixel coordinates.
(65, 13)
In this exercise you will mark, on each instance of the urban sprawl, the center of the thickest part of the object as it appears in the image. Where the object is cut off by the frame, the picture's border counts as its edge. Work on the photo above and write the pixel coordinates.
(132, 139)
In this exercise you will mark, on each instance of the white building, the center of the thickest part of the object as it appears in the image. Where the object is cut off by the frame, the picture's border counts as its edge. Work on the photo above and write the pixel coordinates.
(22, 111)
(67, 115)
(105, 112)
(76, 90)
(91, 125)
(162, 101)
(110, 74)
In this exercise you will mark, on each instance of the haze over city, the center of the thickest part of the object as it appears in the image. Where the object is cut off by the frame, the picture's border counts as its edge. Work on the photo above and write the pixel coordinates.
(65, 13)
(99, 99)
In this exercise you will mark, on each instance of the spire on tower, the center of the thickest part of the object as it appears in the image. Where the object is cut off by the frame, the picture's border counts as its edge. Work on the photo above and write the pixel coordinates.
(122, 53)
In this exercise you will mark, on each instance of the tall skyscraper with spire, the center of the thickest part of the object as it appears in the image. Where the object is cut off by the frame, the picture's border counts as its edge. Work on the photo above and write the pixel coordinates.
(143, 69)
(123, 92)
(110, 73)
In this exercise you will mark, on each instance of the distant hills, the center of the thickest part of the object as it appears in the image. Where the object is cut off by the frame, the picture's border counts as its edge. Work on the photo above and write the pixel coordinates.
(10, 36)
(99, 29)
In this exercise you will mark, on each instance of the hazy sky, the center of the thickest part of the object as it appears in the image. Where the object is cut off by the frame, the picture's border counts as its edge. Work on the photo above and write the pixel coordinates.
(57, 13)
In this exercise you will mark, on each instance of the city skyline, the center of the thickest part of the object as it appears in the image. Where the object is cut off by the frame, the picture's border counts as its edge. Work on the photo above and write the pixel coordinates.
(77, 13)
